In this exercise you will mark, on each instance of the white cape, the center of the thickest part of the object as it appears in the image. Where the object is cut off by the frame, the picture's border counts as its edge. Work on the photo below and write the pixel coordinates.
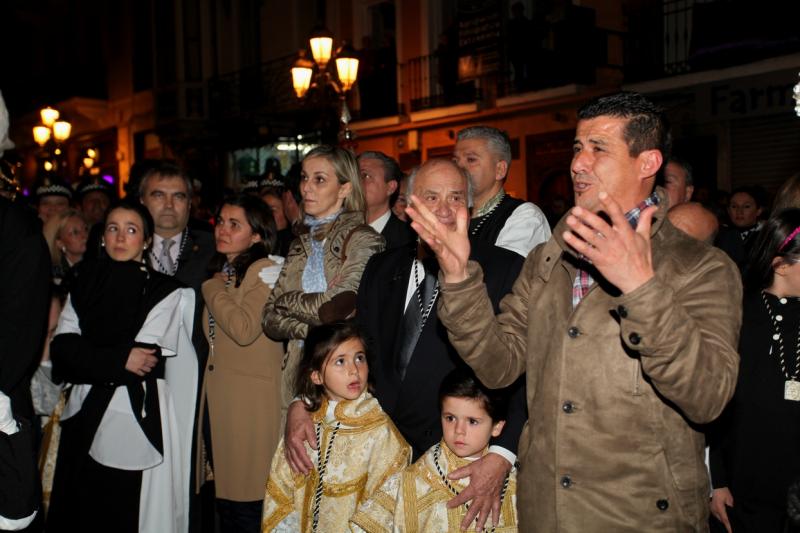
(121, 443)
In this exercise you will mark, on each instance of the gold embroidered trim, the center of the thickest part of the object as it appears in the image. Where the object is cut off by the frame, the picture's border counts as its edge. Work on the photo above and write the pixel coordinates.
(283, 506)
(409, 492)
(368, 524)
(338, 490)
(384, 500)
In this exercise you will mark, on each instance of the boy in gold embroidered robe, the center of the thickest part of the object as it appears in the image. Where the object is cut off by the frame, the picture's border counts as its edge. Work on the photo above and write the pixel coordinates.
(415, 500)
(364, 452)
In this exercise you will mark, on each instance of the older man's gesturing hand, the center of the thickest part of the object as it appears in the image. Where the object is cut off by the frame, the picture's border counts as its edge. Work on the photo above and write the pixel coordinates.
(451, 246)
(486, 477)
(621, 254)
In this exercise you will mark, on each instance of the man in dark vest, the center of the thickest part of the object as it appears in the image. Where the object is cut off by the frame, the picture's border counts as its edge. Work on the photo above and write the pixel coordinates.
(484, 153)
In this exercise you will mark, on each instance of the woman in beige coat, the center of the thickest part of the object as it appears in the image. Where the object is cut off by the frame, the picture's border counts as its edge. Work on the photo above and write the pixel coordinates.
(241, 385)
(319, 281)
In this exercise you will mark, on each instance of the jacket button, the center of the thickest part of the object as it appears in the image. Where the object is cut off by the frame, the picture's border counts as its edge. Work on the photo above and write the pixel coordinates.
(662, 505)
(566, 482)
(634, 338)
(573, 332)
(568, 407)
(210, 368)
(622, 311)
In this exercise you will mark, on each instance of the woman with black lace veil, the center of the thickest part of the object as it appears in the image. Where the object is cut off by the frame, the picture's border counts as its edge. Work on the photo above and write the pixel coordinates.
(754, 445)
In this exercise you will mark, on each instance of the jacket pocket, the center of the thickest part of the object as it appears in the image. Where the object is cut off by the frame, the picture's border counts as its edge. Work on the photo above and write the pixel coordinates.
(685, 495)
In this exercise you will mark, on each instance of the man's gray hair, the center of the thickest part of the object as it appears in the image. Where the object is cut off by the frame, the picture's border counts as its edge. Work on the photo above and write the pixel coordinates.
(497, 140)
(440, 160)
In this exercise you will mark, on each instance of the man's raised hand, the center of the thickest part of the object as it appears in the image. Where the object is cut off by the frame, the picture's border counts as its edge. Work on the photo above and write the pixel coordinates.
(451, 246)
(621, 254)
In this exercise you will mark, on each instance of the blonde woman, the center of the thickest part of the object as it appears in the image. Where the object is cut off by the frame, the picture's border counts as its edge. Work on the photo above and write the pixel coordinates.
(66, 234)
(319, 281)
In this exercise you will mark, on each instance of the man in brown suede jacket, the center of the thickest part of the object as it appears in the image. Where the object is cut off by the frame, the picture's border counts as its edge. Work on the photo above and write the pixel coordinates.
(626, 328)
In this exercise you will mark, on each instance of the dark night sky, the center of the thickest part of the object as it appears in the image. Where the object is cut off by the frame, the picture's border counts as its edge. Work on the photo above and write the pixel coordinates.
(52, 50)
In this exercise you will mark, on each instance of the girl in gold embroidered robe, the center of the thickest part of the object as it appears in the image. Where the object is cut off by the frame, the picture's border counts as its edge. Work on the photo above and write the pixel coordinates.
(359, 446)
(415, 500)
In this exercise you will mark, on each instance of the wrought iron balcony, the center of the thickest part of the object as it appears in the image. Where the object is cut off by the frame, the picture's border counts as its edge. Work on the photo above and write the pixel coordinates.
(674, 37)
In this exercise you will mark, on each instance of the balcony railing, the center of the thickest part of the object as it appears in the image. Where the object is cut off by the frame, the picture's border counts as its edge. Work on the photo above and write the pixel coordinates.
(432, 81)
(439, 79)
(679, 36)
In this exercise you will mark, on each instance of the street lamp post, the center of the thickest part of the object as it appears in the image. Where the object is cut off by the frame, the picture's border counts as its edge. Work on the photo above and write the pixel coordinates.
(304, 77)
(55, 129)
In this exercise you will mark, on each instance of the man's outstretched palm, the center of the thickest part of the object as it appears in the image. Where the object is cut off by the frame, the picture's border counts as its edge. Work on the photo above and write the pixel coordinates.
(451, 245)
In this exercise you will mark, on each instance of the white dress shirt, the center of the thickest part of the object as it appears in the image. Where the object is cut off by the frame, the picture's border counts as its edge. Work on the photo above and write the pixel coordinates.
(379, 223)
(525, 229)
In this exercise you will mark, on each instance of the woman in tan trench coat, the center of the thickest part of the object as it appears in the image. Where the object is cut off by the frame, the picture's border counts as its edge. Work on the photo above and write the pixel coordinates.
(241, 385)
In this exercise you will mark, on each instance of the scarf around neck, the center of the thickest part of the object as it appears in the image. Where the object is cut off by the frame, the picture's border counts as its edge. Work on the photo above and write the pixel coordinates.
(314, 271)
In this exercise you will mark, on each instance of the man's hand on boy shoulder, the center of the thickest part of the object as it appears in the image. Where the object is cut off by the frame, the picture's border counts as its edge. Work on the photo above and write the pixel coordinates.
(486, 478)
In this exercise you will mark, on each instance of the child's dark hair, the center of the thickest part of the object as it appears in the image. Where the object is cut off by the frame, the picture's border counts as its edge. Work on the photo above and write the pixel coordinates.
(780, 237)
(320, 342)
(462, 383)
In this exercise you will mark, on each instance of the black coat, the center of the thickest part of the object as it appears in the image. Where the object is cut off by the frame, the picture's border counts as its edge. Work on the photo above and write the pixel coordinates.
(24, 303)
(412, 403)
(20, 490)
(397, 233)
(730, 241)
(755, 445)
(192, 272)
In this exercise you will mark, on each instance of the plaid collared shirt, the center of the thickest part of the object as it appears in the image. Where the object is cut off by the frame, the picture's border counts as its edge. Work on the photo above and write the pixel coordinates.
(583, 280)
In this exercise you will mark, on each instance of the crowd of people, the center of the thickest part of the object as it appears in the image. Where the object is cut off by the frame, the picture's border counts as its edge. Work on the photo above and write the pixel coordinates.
(363, 350)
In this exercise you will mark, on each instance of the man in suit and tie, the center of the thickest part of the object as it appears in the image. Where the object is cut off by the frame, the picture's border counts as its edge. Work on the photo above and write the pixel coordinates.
(381, 177)
(410, 351)
(181, 252)
(177, 250)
